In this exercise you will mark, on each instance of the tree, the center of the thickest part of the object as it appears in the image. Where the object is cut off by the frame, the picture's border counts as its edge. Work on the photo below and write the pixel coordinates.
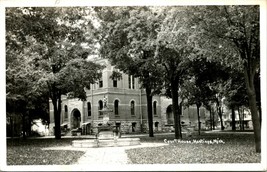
(129, 42)
(200, 90)
(232, 33)
(235, 93)
(194, 97)
(20, 80)
(57, 38)
(173, 54)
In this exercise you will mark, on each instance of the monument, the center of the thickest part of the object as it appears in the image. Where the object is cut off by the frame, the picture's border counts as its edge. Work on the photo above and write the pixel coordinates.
(105, 134)
(105, 130)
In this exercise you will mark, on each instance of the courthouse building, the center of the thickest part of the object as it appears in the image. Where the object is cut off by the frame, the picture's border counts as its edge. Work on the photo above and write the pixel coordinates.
(127, 102)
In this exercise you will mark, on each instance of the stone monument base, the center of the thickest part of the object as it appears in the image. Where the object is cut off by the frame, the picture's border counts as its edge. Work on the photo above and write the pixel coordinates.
(106, 142)
(84, 143)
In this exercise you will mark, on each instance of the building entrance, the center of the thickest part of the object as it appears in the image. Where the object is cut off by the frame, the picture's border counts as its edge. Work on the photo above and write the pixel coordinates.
(76, 119)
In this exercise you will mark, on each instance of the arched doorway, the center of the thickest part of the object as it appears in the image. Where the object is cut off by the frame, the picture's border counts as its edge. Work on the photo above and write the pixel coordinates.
(169, 115)
(76, 118)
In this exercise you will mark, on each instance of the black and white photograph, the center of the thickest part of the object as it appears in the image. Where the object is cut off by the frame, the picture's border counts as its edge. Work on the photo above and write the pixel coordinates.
(156, 86)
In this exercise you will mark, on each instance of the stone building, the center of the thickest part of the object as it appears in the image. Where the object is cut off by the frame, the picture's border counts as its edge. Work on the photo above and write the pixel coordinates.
(128, 104)
(124, 97)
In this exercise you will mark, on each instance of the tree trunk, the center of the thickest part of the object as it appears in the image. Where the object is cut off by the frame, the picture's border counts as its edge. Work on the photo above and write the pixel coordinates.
(198, 118)
(260, 114)
(210, 119)
(243, 119)
(233, 119)
(249, 78)
(149, 112)
(57, 112)
(11, 127)
(240, 119)
(57, 120)
(213, 123)
(175, 105)
(29, 123)
(24, 126)
(220, 116)
(256, 122)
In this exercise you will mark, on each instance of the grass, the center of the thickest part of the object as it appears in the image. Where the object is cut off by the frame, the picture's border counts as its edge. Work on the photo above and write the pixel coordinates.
(233, 148)
(29, 152)
(237, 148)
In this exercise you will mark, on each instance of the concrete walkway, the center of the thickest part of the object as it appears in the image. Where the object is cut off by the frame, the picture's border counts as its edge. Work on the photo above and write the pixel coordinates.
(105, 155)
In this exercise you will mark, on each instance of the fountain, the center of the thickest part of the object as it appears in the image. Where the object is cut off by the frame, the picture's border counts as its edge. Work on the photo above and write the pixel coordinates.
(105, 134)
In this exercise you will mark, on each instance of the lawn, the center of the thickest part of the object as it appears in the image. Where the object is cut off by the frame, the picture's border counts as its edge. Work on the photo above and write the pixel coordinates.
(227, 148)
(29, 152)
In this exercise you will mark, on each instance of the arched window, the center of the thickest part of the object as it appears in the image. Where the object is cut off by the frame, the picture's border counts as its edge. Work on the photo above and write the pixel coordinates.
(132, 108)
(116, 107)
(155, 108)
(100, 107)
(89, 108)
(66, 111)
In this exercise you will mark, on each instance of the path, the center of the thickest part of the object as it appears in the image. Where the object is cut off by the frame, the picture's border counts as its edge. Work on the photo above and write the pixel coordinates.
(105, 155)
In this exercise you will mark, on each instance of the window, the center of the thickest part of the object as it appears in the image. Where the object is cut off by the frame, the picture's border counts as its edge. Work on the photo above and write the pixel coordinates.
(89, 109)
(116, 107)
(155, 108)
(100, 84)
(100, 107)
(115, 83)
(131, 81)
(66, 111)
(132, 108)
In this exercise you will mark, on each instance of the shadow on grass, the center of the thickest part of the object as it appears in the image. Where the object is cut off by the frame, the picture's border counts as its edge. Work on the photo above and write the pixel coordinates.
(233, 148)
(29, 152)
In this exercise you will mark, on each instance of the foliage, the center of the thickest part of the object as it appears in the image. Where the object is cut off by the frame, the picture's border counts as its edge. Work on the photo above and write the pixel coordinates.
(230, 35)
(235, 91)
(127, 38)
(128, 41)
(54, 43)
(173, 53)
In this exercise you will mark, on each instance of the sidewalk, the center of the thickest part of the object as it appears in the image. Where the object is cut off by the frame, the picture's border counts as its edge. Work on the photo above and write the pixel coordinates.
(105, 155)
(230, 132)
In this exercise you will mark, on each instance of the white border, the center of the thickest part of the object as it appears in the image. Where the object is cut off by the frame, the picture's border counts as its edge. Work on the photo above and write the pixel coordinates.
(156, 167)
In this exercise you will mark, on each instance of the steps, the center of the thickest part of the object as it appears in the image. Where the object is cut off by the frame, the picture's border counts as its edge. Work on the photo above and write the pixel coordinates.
(106, 142)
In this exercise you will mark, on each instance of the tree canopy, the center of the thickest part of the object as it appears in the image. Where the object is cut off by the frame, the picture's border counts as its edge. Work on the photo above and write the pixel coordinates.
(128, 40)
(54, 43)
(230, 35)
(162, 46)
